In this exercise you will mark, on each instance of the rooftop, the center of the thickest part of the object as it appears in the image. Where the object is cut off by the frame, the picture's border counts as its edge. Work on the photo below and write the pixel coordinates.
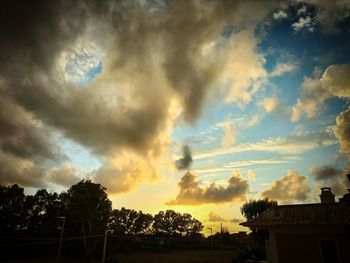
(317, 213)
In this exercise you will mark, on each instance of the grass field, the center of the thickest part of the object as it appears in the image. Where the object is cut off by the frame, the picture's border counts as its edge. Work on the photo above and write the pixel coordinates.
(181, 256)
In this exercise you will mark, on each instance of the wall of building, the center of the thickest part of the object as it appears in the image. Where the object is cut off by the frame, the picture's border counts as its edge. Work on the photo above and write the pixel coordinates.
(291, 244)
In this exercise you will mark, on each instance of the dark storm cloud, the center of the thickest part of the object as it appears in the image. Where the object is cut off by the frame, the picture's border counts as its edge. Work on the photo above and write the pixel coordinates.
(186, 161)
(192, 193)
(153, 56)
(326, 172)
(329, 176)
(22, 135)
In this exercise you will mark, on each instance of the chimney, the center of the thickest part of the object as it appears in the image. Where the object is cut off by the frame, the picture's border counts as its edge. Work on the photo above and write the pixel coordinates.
(327, 196)
(346, 197)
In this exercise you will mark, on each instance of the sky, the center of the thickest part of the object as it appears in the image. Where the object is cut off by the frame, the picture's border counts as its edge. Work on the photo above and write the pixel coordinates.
(195, 106)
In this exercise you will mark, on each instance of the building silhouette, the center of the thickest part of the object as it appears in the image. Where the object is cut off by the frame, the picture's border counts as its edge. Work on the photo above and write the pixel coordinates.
(317, 232)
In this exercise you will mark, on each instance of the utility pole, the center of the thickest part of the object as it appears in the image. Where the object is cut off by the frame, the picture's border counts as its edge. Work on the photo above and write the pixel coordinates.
(211, 237)
(61, 237)
(221, 252)
(104, 247)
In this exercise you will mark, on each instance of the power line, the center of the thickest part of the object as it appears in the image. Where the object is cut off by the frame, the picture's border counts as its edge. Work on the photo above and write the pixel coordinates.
(48, 240)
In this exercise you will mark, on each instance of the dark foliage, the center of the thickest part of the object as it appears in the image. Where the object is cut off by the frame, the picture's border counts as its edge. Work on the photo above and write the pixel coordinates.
(34, 223)
(253, 208)
(171, 223)
(129, 222)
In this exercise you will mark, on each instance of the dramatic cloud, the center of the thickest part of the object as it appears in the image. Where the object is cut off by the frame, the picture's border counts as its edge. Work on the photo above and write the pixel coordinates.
(186, 161)
(192, 193)
(342, 132)
(149, 56)
(244, 73)
(66, 176)
(330, 176)
(315, 91)
(288, 189)
(23, 135)
(26, 172)
(336, 80)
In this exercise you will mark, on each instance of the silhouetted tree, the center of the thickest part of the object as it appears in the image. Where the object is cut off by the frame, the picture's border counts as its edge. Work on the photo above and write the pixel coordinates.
(12, 213)
(43, 210)
(88, 210)
(129, 222)
(253, 208)
(171, 223)
(189, 226)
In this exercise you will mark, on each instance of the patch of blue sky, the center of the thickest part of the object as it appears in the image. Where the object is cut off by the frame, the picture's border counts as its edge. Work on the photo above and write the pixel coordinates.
(228, 31)
(272, 126)
(79, 156)
(91, 74)
(84, 63)
(306, 45)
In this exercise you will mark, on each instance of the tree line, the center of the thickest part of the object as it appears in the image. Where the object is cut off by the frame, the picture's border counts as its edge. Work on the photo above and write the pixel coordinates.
(87, 211)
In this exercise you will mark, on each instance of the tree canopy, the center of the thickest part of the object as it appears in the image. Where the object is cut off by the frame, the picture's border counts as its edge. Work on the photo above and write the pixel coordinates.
(171, 223)
(253, 208)
(128, 221)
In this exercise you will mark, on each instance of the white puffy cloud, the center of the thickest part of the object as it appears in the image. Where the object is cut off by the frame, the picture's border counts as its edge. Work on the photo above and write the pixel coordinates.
(270, 104)
(334, 82)
(280, 14)
(244, 73)
(342, 131)
(306, 23)
(126, 171)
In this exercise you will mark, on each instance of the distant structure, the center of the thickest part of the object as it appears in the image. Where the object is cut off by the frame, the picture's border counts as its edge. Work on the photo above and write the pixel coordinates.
(317, 233)
(327, 197)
